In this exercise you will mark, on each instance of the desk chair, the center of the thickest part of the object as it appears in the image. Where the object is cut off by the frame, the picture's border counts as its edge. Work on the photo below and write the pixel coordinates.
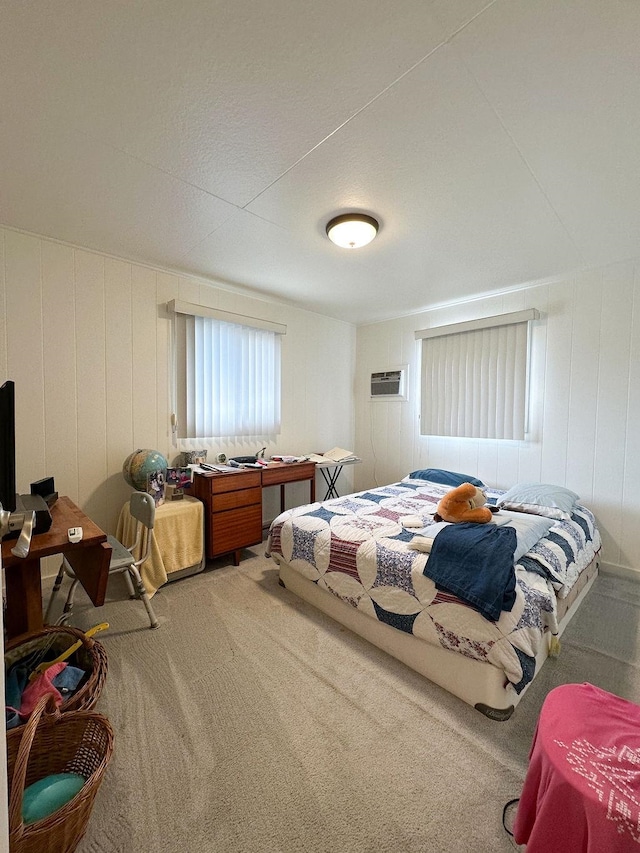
(142, 507)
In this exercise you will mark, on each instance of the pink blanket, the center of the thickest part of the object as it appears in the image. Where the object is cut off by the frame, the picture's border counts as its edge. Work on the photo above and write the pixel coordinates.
(582, 791)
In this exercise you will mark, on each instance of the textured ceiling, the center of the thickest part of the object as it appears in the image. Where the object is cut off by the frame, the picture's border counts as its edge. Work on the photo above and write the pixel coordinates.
(497, 142)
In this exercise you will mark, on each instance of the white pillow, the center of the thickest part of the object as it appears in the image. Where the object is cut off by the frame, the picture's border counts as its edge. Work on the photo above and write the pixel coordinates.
(530, 528)
(540, 499)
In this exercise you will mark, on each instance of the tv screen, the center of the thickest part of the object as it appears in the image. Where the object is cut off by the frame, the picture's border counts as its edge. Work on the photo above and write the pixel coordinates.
(7, 446)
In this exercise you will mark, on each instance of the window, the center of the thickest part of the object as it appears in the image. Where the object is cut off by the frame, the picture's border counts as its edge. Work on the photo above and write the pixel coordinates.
(474, 377)
(227, 374)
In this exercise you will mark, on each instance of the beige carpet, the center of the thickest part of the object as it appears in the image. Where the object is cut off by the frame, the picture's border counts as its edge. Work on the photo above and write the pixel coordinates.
(250, 722)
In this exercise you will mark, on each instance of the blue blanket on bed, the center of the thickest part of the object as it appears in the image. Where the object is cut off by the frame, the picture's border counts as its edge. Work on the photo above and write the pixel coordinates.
(475, 563)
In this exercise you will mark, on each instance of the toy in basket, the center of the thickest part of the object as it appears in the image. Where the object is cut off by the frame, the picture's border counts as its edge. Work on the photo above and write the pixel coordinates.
(38, 651)
(78, 743)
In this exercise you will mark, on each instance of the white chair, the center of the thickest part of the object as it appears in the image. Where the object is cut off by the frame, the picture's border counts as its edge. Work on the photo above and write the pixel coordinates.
(143, 509)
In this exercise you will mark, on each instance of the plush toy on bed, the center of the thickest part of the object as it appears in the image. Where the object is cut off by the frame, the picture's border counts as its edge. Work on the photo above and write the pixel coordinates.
(465, 503)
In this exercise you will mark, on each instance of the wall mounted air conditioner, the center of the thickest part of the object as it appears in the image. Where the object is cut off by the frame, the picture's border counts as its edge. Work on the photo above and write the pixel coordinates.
(389, 384)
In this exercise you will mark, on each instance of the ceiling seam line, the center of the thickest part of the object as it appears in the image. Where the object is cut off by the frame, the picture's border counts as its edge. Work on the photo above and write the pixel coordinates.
(349, 119)
(222, 224)
(160, 169)
(470, 21)
(244, 205)
(410, 70)
(524, 160)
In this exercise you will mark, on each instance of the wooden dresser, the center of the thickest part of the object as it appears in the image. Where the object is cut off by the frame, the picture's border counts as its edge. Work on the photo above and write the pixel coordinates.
(233, 511)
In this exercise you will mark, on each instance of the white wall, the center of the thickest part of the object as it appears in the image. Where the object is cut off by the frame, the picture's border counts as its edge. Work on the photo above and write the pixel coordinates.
(585, 402)
(85, 337)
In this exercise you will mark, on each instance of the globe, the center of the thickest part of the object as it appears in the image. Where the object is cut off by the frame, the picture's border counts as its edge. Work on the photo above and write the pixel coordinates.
(139, 464)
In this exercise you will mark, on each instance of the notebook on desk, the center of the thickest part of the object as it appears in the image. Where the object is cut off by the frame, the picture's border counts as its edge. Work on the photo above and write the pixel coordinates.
(336, 456)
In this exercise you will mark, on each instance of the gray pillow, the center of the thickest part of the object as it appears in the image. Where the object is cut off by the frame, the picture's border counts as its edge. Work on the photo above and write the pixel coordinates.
(540, 499)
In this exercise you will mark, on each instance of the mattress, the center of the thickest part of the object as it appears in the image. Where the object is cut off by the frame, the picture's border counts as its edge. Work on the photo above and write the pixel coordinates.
(356, 549)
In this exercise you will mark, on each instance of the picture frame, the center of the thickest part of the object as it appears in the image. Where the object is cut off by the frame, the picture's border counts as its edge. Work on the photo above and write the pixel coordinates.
(179, 477)
(155, 486)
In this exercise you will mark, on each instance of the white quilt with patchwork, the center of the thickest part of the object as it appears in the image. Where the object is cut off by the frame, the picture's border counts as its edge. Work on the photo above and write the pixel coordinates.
(356, 548)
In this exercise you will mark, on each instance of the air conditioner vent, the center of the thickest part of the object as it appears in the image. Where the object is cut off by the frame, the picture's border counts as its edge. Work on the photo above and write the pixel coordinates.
(389, 384)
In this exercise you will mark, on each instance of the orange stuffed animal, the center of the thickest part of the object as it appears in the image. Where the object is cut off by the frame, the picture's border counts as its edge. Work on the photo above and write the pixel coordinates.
(465, 503)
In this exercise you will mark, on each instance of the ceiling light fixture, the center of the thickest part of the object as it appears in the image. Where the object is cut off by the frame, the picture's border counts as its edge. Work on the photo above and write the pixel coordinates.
(352, 230)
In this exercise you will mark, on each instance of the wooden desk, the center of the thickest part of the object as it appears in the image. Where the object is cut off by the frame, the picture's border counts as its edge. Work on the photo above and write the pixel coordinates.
(233, 503)
(281, 473)
(89, 560)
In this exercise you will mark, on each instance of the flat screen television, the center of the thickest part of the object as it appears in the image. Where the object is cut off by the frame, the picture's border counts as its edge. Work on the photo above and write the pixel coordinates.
(7, 446)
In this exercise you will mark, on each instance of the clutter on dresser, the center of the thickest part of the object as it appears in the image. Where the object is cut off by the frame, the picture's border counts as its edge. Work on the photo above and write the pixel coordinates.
(253, 461)
(193, 457)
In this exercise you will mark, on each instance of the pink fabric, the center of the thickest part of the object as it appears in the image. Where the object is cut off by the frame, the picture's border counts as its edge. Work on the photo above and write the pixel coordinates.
(582, 791)
(38, 687)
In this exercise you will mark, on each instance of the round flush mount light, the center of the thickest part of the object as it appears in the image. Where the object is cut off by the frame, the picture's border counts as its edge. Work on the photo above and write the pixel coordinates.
(352, 230)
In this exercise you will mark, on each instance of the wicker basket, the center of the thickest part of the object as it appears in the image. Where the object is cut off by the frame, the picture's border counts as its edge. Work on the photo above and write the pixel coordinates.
(91, 657)
(74, 742)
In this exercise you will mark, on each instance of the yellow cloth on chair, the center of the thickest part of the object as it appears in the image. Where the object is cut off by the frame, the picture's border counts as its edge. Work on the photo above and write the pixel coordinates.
(178, 539)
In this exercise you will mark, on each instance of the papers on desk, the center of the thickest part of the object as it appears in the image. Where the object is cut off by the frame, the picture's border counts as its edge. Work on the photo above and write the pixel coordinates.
(337, 455)
(203, 468)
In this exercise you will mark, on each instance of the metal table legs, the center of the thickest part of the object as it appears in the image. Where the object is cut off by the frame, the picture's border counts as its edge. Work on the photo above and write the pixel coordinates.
(331, 478)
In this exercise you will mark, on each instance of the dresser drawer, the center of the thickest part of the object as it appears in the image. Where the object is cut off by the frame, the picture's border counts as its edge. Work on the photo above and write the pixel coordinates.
(234, 529)
(282, 473)
(234, 482)
(233, 500)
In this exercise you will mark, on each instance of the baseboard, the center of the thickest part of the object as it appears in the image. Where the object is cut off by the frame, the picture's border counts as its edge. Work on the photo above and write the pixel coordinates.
(620, 571)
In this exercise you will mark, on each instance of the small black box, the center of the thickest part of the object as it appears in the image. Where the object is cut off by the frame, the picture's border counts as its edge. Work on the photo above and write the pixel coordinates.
(46, 489)
(43, 487)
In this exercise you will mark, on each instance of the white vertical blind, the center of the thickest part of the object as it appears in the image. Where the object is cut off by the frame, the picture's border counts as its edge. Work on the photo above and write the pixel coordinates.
(231, 384)
(474, 381)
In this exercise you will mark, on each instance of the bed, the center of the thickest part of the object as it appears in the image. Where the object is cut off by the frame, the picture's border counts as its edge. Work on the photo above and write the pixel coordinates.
(355, 559)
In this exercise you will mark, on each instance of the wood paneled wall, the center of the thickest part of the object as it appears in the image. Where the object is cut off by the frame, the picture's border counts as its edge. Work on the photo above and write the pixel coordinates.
(86, 339)
(584, 402)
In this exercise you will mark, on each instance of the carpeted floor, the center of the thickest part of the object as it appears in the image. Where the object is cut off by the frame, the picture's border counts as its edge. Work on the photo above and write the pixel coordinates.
(251, 723)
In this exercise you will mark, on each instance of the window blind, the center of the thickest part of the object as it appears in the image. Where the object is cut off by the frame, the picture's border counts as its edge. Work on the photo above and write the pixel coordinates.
(474, 377)
(227, 374)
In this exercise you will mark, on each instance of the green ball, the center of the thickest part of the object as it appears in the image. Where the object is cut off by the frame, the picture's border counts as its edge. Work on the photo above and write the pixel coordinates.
(139, 464)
